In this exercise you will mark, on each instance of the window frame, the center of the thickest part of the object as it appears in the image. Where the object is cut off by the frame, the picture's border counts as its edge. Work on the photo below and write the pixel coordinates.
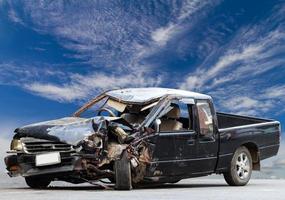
(191, 117)
(212, 135)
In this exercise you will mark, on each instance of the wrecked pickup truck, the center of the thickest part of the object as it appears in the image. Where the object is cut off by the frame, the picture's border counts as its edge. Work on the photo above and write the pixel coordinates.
(143, 136)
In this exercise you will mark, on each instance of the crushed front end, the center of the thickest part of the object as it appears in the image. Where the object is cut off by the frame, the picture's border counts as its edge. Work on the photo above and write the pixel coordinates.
(51, 156)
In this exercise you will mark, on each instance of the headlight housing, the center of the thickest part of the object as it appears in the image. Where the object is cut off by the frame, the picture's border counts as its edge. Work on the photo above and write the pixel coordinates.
(16, 145)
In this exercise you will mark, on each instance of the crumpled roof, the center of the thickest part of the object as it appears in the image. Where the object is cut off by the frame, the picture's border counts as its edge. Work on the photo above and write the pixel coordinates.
(146, 95)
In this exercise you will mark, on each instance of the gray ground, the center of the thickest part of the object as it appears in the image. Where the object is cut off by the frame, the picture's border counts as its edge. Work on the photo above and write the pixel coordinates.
(197, 188)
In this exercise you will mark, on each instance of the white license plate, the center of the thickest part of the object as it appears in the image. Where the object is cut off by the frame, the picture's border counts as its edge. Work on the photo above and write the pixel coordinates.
(48, 159)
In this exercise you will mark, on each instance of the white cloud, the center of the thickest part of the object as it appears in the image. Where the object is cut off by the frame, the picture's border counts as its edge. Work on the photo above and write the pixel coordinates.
(190, 7)
(250, 98)
(97, 34)
(277, 91)
(13, 16)
(163, 34)
(82, 87)
(253, 50)
(247, 52)
(113, 41)
(238, 74)
(108, 81)
(73, 86)
(241, 103)
(246, 105)
(239, 62)
(19, 74)
(56, 92)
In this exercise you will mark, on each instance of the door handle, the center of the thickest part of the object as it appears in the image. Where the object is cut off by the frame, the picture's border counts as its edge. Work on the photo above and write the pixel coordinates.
(190, 142)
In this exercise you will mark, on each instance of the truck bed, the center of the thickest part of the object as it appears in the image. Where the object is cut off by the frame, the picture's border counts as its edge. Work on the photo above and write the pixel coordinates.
(229, 121)
(261, 135)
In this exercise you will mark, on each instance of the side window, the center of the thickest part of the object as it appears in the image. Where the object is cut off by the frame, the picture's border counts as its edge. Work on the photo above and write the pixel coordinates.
(205, 118)
(184, 115)
(177, 118)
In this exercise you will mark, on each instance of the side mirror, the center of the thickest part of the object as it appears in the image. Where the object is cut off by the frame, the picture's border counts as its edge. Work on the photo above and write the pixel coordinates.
(157, 123)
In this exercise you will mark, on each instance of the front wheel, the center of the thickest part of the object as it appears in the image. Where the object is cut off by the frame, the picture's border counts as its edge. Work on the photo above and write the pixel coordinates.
(240, 169)
(37, 182)
(123, 174)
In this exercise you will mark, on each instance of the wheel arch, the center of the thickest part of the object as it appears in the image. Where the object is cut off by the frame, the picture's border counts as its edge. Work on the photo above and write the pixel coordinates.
(255, 155)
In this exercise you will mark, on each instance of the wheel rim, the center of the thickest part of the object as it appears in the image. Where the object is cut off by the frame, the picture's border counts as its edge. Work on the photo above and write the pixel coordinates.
(242, 166)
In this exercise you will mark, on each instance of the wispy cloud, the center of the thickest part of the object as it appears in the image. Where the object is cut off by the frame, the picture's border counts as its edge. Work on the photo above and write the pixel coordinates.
(240, 61)
(15, 73)
(119, 54)
(56, 92)
(233, 72)
(163, 34)
(246, 105)
(14, 17)
(53, 82)
(277, 91)
(98, 35)
(96, 32)
(82, 86)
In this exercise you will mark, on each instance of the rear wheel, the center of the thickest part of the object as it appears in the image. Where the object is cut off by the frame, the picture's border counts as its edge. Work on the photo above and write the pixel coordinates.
(241, 168)
(37, 182)
(123, 173)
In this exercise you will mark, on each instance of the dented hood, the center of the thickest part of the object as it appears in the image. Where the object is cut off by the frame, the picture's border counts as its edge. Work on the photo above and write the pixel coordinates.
(69, 129)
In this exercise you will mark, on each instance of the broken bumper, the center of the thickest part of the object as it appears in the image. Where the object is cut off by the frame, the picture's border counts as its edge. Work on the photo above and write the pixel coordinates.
(24, 165)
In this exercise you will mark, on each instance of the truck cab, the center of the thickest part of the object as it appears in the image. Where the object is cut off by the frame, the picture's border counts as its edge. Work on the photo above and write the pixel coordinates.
(187, 139)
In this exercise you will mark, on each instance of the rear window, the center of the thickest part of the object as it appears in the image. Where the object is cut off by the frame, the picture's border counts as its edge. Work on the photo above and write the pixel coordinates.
(205, 118)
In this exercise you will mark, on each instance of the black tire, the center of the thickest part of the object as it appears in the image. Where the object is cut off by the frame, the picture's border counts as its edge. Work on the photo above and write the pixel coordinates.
(37, 182)
(241, 168)
(123, 174)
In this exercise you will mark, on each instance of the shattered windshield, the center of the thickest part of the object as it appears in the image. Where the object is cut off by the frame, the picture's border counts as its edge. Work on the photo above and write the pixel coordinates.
(94, 109)
(132, 113)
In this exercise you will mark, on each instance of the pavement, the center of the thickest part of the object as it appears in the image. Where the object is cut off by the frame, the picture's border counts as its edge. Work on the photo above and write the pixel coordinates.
(196, 188)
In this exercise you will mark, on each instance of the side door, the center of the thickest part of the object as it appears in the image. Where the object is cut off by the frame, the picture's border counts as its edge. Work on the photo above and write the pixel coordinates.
(175, 149)
(208, 139)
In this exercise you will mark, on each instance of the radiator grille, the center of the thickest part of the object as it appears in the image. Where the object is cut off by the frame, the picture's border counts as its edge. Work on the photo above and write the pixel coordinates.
(40, 146)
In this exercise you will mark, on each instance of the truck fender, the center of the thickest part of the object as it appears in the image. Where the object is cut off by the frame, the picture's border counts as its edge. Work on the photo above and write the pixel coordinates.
(255, 154)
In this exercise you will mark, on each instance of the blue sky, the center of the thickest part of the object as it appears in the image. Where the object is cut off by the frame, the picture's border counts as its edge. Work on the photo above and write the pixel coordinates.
(56, 55)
